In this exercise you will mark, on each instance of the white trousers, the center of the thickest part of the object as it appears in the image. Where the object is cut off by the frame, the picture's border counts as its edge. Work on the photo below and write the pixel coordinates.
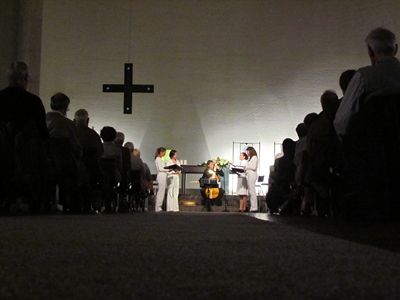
(173, 193)
(162, 182)
(251, 185)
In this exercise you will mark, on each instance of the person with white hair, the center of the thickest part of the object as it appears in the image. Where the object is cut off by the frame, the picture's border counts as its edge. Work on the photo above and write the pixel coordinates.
(382, 76)
(17, 104)
(23, 132)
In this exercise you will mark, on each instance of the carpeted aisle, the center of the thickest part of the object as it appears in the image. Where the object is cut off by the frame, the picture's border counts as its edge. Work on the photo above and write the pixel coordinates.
(185, 256)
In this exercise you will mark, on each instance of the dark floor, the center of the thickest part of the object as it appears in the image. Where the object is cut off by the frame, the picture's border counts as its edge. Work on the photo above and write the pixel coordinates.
(385, 236)
(196, 255)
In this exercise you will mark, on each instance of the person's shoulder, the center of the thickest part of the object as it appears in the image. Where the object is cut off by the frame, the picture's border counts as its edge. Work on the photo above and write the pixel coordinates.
(53, 115)
(5, 92)
(69, 122)
(135, 158)
(124, 150)
(33, 99)
(33, 96)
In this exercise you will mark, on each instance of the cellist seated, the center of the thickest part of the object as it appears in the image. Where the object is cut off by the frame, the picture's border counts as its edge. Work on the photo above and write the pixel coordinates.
(210, 190)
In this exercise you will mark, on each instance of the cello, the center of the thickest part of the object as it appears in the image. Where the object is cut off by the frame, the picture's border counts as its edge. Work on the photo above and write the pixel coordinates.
(213, 192)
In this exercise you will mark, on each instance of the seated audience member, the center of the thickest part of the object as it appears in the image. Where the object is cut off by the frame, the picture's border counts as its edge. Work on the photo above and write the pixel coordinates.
(23, 132)
(212, 195)
(299, 154)
(136, 161)
(280, 191)
(92, 146)
(126, 162)
(308, 198)
(322, 145)
(137, 178)
(366, 124)
(383, 75)
(309, 119)
(344, 81)
(92, 150)
(147, 179)
(71, 174)
(111, 150)
(111, 165)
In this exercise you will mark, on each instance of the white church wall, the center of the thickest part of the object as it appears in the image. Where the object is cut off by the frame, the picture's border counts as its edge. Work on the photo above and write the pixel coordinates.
(223, 71)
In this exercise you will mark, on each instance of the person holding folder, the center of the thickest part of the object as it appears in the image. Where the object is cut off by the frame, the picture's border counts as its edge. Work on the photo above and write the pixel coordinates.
(242, 184)
(251, 170)
(173, 181)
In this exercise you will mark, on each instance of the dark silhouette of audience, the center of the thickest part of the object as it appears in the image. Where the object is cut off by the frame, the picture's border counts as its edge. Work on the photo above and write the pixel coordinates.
(25, 172)
(147, 179)
(138, 182)
(350, 165)
(300, 197)
(126, 167)
(112, 167)
(92, 151)
(371, 96)
(66, 157)
(282, 180)
(321, 145)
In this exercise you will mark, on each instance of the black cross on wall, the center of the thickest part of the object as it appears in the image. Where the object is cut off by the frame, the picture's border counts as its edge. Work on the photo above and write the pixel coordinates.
(128, 88)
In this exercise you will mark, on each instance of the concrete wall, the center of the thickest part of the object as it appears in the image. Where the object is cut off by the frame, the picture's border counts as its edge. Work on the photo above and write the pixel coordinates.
(30, 39)
(8, 36)
(20, 36)
(224, 71)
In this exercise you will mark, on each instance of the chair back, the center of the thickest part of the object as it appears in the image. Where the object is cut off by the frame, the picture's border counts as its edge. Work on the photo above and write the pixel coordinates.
(135, 182)
(91, 160)
(260, 178)
(62, 157)
(109, 169)
(371, 150)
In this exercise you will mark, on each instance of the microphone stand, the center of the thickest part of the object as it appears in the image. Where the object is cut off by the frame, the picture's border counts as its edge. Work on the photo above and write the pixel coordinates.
(226, 205)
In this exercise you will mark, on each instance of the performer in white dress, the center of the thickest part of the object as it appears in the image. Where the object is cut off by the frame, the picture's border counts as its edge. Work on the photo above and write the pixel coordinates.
(173, 183)
(251, 171)
(242, 184)
(161, 178)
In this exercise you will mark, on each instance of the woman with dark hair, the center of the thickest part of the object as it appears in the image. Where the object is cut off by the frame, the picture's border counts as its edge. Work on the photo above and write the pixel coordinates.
(242, 184)
(173, 183)
(161, 178)
(251, 171)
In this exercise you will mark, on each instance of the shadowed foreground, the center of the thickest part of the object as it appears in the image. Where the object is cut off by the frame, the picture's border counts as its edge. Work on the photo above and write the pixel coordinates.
(192, 256)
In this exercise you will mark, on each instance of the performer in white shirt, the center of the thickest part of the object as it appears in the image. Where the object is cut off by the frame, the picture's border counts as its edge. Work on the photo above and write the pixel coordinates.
(251, 170)
(161, 178)
(173, 183)
(242, 184)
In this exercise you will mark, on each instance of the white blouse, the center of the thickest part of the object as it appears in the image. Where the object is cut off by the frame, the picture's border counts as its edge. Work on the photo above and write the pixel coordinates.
(252, 164)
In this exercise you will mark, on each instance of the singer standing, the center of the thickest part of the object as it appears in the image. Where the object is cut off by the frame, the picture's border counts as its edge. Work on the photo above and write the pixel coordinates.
(242, 184)
(251, 170)
(161, 178)
(173, 183)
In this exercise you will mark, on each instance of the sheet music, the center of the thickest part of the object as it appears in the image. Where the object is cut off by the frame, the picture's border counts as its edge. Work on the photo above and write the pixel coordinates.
(174, 167)
(237, 169)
